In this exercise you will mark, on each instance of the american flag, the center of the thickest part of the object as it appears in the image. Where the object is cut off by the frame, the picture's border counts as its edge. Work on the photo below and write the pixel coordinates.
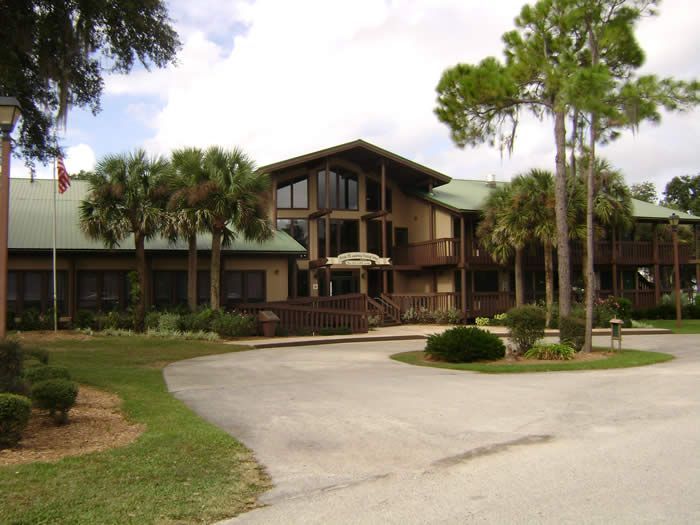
(63, 177)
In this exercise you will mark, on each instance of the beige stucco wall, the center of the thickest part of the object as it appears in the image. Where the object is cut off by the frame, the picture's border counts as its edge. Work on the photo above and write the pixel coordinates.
(443, 224)
(445, 281)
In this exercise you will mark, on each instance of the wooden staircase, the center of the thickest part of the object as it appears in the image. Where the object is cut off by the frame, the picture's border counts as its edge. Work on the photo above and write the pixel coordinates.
(386, 309)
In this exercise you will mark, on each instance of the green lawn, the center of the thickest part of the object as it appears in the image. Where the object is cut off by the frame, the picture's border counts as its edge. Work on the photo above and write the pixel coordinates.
(181, 469)
(624, 359)
(689, 326)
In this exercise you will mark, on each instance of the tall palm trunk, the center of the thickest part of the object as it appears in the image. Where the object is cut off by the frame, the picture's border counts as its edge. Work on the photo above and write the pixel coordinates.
(140, 308)
(590, 189)
(548, 280)
(192, 272)
(215, 271)
(561, 197)
(519, 288)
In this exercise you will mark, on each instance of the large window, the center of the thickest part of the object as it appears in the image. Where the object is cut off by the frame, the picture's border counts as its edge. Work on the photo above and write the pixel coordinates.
(374, 237)
(169, 289)
(345, 237)
(203, 288)
(342, 187)
(34, 290)
(293, 194)
(486, 281)
(297, 228)
(103, 291)
(374, 196)
(243, 287)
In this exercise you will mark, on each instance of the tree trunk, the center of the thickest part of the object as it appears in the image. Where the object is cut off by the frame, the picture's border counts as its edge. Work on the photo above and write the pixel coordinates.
(519, 288)
(215, 271)
(192, 273)
(549, 280)
(561, 196)
(140, 307)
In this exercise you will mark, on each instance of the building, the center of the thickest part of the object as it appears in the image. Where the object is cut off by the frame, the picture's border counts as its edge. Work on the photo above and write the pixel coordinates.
(351, 219)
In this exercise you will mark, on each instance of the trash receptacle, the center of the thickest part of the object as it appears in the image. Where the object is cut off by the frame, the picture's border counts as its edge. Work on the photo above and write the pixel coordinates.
(268, 321)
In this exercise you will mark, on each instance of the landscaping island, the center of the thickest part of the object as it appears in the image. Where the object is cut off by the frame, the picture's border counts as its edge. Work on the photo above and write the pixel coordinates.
(599, 359)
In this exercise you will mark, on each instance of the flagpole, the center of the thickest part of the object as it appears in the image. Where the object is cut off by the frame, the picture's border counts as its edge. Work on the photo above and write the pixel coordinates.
(55, 296)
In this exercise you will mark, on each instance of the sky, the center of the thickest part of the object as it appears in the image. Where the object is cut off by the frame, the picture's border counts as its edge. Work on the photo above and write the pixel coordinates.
(281, 79)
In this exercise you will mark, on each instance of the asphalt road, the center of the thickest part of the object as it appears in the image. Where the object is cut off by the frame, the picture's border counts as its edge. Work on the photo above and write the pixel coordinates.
(350, 436)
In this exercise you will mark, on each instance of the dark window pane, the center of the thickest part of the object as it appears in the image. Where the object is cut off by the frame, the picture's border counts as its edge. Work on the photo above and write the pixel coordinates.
(321, 194)
(87, 291)
(112, 284)
(180, 288)
(233, 288)
(284, 196)
(349, 236)
(285, 225)
(255, 287)
(12, 292)
(486, 281)
(352, 198)
(374, 240)
(301, 232)
(301, 194)
(203, 288)
(62, 291)
(32, 290)
(322, 238)
(373, 195)
(303, 283)
(333, 184)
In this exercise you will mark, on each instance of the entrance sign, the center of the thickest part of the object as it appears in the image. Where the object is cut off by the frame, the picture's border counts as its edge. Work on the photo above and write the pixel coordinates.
(359, 259)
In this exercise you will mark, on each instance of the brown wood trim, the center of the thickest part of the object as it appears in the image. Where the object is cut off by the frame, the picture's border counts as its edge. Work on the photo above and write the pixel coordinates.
(319, 213)
(374, 215)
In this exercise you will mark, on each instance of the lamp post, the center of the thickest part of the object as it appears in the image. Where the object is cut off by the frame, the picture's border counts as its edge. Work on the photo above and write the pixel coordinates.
(674, 220)
(9, 114)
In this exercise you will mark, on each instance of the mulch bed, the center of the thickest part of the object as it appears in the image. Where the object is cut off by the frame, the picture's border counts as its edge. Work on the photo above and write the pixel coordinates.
(95, 424)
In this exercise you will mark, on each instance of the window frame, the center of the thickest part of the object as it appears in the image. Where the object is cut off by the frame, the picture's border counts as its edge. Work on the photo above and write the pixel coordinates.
(291, 182)
(232, 305)
(338, 172)
(45, 295)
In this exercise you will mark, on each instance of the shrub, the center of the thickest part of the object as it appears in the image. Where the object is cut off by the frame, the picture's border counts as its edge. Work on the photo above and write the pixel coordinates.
(57, 396)
(418, 315)
(572, 331)
(117, 321)
(525, 326)
(42, 373)
(168, 322)
(373, 321)
(39, 354)
(85, 319)
(499, 319)
(14, 416)
(482, 321)
(641, 324)
(30, 319)
(11, 366)
(339, 330)
(198, 321)
(152, 320)
(450, 316)
(560, 351)
(465, 344)
(611, 308)
(234, 325)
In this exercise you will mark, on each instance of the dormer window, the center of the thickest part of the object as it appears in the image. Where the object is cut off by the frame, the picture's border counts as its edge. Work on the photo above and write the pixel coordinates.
(293, 194)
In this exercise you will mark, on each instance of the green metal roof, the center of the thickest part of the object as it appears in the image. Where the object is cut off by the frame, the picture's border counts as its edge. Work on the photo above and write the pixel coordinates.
(470, 195)
(31, 224)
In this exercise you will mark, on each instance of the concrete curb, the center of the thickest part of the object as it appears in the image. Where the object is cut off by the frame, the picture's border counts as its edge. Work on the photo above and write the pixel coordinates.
(329, 340)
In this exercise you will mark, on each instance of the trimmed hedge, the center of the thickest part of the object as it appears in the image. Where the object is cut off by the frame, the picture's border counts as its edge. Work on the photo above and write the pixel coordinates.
(464, 344)
(526, 326)
(14, 416)
(37, 374)
(572, 331)
(57, 396)
(11, 366)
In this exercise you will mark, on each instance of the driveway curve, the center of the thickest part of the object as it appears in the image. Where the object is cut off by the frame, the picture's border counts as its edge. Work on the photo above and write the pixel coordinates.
(350, 436)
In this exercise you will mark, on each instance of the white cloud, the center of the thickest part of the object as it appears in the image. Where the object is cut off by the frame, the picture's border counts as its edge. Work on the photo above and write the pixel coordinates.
(311, 73)
(77, 157)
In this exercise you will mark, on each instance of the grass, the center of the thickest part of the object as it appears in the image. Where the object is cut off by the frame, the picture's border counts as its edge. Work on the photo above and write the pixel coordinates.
(689, 326)
(624, 359)
(181, 470)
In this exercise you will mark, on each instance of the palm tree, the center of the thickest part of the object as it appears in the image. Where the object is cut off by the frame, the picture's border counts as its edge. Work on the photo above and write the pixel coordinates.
(127, 197)
(185, 217)
(232, 202)
(535, 190)
(503, 232)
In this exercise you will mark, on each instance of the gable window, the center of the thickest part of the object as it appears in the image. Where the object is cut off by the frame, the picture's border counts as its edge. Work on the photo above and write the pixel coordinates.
(342, 188)
(293, 194)
(374, 196)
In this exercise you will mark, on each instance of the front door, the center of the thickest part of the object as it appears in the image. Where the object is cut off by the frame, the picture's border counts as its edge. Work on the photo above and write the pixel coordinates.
(374, 283)
(343, 282)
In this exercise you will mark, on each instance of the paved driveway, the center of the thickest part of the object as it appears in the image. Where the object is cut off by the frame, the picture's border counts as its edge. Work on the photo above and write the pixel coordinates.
(350, 436)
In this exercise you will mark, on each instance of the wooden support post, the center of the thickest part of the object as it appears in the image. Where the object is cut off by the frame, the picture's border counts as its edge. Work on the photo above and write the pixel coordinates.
(295, 280)
(657, 269)
(328, 225)
(385, 275)
(463, 264)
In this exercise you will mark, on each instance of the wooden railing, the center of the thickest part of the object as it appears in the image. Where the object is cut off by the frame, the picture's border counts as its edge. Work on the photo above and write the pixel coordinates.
(491, 303)
(685, 253)
(437, 252)
(428, 301)
(295, 318)
(479, 256)
(354, 302)
(392, 309)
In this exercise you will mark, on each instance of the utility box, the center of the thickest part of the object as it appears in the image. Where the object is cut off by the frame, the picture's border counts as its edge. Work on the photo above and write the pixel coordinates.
(268, 321)
(616, 333)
